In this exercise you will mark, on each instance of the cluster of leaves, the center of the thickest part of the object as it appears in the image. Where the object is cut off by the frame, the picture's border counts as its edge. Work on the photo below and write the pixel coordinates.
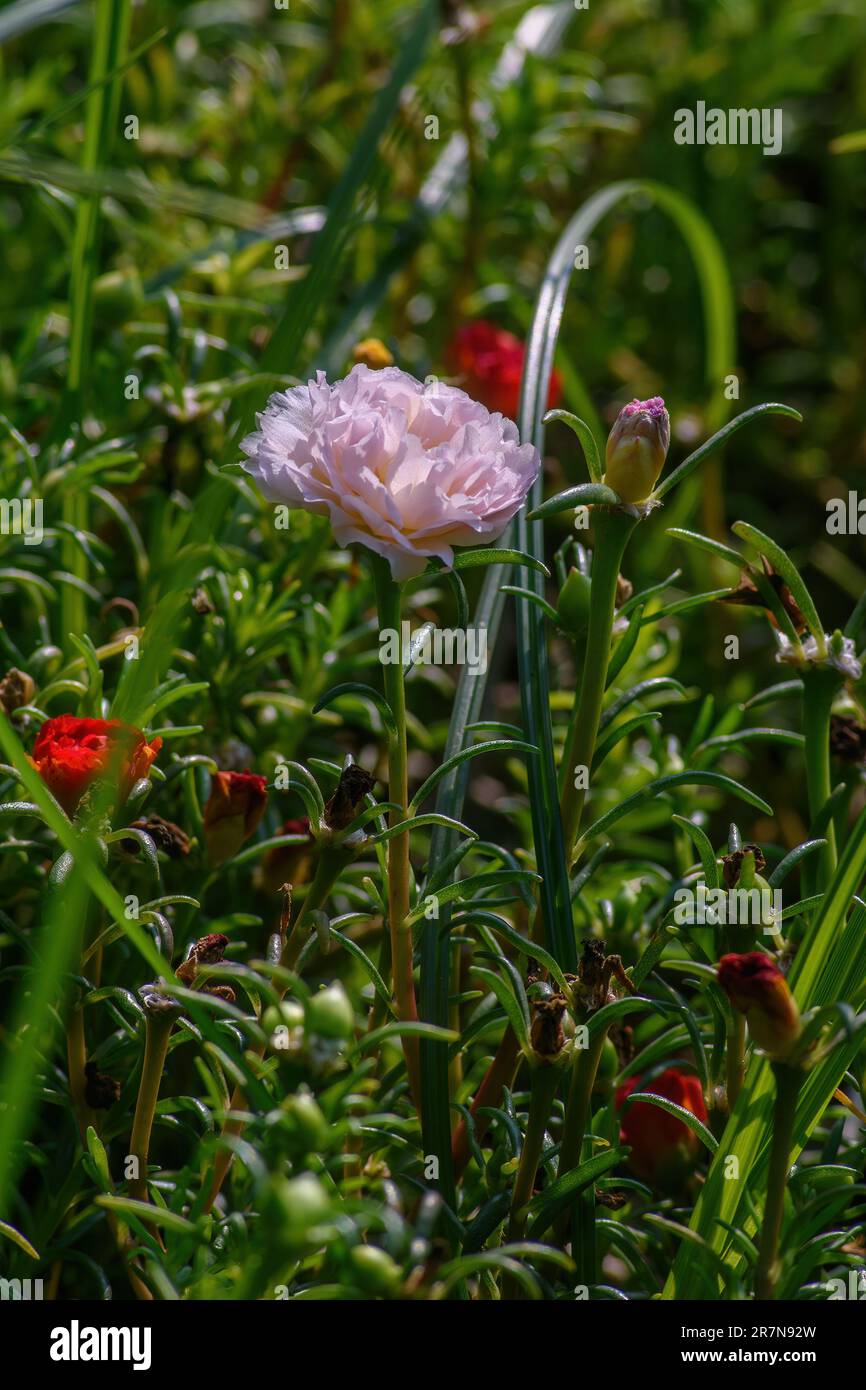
(258, 647)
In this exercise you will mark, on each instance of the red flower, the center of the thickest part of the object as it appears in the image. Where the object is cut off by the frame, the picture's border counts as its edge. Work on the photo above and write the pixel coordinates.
(71, 753)
(234, 808)
(756, 986)
(490, 361)
(662, 1147)
(288, 863)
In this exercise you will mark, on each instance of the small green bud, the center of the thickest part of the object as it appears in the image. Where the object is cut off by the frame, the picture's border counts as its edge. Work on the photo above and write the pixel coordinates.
(117, 296)
(303, 1124)
(572, 610)
(297, 1206)
(374, 1270)
(288, 1014)
(330, 1014)
(637, 447)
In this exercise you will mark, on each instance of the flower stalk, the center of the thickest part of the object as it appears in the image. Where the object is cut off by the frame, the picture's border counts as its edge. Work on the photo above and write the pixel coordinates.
(388, 600)
(613, 528)
(158, 1026)
(819, 690)
(788, 1082)
(584, 1069)
(545, 1076)
(735, 1058)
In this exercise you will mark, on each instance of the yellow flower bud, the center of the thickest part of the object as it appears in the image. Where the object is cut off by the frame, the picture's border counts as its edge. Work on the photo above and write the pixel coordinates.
(637, 447)
(372, 353)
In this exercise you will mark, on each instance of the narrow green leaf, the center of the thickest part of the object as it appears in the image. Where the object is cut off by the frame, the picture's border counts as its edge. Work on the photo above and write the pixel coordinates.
(587, 440)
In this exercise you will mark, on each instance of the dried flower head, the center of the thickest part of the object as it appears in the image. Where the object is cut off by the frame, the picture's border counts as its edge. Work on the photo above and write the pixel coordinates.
(732, 863)
(749, 595)
(101, 1091)
(16, 689)
(847, 739)
(342, 808)
(547, 1036)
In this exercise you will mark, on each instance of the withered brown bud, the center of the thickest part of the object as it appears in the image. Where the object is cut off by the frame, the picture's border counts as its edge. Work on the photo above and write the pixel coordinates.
(211, 949)
(546, 1036)
(847, 739)
(591, 967)
(622, 1037)
(732, 864)
(624, 590)
(748, 594)
(165, 834)
(101, 1091)
(348, 799)
(201, 602)
(288, 863)
(224, 992)
(208, 950)
(612, 1200)
(187, 970)
(594, 974)
(16, 689)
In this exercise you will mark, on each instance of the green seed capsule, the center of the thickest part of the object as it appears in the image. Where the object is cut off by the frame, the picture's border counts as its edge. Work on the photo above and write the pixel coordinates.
(298, 1204)
(572, 610)
(303, 1125)
(329, 1013)
(117, 296)
(374, 1270)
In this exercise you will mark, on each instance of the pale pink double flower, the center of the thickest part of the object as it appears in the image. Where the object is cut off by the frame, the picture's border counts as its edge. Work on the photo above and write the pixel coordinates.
(406, 469)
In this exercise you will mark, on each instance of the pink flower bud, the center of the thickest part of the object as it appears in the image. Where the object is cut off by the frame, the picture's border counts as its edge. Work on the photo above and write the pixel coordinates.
(637, 447)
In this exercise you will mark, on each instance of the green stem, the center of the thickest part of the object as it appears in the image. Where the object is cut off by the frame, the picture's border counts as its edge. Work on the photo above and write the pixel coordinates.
(577, 1109)
(735, 1058)
(612, 531)
(788, 1082)
(545, 1078)
(157, 1031)
(331, 862)
(76, 1060)
(544, 1082)
(388, 600)
(819, 690)
(110, 37)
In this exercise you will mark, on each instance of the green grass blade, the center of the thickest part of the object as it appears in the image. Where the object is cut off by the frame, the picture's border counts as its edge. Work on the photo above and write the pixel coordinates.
(110, 38)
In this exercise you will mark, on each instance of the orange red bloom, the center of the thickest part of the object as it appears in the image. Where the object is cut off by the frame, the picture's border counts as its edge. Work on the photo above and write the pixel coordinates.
(756, 986)
(663, 1148)
(71, 753)
(489, 360)
(234, 808)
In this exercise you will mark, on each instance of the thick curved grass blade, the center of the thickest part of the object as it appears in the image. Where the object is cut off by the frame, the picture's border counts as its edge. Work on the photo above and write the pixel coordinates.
(720, 438)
